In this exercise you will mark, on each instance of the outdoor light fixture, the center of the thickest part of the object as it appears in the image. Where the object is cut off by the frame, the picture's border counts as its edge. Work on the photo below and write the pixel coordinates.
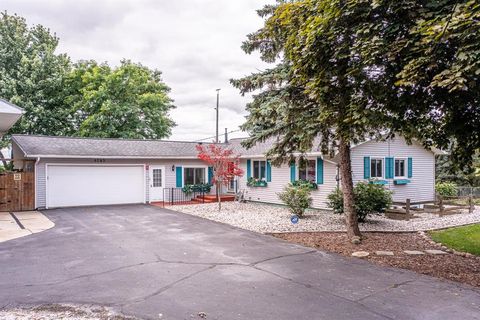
(173, 167)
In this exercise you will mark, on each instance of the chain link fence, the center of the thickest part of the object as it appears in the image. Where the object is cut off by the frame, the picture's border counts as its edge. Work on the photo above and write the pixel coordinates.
(469, 191)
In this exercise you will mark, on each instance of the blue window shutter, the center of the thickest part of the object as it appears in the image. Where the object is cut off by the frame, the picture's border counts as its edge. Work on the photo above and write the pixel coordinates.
(389, 167)
(410, 167)
(292, 172)
(366, 167)
(249, 169)
(319, 170)
(269, 171)
(210, 175)
(179, 176)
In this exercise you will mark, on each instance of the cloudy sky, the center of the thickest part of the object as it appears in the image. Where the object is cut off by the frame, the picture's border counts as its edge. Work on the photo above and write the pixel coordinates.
(195, 43)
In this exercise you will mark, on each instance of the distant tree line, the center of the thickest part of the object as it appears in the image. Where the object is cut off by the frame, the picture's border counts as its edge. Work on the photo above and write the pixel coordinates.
(84, 98)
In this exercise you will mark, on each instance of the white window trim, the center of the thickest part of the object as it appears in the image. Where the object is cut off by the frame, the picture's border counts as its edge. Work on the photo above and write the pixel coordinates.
(405, 168)
(297, 172)
(195, 167)
(383, 167)
(253, 169)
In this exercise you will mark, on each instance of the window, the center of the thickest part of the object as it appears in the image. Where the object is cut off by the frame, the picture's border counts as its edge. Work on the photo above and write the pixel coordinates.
(307, 170)
(399, 167)
(194, 176)
(376, 168)
(157, 177)
(259, 169)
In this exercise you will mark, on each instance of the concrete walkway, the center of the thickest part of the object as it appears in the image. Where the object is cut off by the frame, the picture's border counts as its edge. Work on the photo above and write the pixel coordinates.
(19, 224)
(159, 264)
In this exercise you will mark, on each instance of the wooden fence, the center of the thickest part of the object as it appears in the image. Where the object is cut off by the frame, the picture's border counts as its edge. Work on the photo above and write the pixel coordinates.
(17, 191)
(441, 205)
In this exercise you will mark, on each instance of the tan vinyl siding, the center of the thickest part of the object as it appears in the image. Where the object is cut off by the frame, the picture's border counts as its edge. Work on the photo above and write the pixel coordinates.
(422, 186)
(280, 178)
(169, 174)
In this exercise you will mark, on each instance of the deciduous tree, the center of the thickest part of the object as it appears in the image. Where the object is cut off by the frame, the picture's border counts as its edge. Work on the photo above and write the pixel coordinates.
(129, 101)
(225, 165)
(348, 70)
(32, 76)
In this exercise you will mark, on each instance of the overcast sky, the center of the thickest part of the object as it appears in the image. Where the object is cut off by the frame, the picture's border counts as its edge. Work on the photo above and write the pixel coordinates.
(195, 43)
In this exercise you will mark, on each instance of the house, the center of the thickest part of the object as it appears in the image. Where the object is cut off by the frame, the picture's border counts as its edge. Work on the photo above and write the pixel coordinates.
(9, 115)
(92, 171)
(407, 170)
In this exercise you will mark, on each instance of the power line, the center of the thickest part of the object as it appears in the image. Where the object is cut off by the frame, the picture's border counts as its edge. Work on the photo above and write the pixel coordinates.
(213, 137)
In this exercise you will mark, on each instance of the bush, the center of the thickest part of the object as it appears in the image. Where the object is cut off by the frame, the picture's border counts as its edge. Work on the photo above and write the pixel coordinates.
(309, 184)
(191, 188)
(296, 198)
(369, 199)
(446, 189)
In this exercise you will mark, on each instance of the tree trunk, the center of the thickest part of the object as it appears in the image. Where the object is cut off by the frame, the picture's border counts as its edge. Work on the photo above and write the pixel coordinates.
(218, 197)
(347, 190)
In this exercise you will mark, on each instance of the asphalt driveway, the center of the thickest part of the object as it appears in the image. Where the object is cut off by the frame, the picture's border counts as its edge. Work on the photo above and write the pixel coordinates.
(146, 261)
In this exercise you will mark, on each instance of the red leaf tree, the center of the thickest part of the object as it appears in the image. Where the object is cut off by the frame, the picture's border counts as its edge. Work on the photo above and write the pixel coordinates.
(225, 164)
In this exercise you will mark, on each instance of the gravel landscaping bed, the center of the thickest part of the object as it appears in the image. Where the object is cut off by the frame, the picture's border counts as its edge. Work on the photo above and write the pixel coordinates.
(65, 312)
(448, 266)
(266, 218)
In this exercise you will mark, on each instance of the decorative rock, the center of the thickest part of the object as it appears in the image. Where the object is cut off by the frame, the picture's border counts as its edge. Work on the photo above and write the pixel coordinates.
(384, 253)
(356, 240)
(435, 252)
(360, 254)
(413, 252)
(274, 219)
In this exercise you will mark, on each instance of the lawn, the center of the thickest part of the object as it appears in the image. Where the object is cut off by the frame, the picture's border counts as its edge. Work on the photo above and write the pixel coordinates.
(466, 239)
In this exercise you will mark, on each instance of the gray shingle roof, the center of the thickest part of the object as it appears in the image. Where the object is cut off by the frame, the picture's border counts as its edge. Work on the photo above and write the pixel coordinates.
(65, 147)
(34, 146)
(262, 148)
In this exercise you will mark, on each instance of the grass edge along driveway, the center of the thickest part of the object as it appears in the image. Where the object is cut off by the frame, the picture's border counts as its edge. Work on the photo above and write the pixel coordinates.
(465, 238)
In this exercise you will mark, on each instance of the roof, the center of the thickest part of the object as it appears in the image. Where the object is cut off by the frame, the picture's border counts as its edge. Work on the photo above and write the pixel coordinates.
(261, 148)
(75, 147)
(7, 107)
(9, 114)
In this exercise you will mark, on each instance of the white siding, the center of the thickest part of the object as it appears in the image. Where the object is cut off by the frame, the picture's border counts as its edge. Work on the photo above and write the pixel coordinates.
(422, 186)
(280, 178)
(170, 177)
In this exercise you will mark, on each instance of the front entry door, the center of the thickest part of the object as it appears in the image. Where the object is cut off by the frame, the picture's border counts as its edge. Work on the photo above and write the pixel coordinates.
(157, 182)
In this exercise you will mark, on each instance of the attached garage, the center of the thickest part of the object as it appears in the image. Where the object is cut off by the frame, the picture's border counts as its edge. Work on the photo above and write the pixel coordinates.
(83, 185)
(74, 171)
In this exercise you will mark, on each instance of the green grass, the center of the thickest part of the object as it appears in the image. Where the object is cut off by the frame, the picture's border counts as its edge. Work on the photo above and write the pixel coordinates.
(465, 239)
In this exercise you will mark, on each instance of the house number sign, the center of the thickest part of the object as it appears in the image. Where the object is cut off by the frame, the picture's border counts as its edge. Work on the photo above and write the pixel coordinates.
(17, 176)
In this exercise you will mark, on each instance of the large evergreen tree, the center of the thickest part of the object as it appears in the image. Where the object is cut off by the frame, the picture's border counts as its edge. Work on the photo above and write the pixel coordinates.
(347, 70)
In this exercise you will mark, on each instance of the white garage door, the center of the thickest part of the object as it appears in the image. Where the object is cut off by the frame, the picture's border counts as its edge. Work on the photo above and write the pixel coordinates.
(76, 185)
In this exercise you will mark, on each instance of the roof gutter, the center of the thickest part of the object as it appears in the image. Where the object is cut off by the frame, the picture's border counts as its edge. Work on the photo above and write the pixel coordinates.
(55, 156)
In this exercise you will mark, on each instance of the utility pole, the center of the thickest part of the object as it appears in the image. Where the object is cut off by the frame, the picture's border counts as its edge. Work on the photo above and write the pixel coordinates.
(218, 98)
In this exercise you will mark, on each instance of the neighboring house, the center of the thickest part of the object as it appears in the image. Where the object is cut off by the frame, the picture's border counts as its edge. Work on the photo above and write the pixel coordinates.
(9, 114)
(89, 171)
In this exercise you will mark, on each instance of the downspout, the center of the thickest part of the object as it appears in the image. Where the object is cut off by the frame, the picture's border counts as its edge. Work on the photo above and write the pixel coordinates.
(35, 181)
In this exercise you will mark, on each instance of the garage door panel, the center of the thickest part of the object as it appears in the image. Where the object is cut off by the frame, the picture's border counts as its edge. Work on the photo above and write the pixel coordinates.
(94, 185)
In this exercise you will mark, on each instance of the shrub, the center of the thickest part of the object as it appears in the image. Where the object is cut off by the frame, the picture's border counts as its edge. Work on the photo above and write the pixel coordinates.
(369, 199)
(296, 198)
(309, 184)
(446, 189)
(190, 188)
